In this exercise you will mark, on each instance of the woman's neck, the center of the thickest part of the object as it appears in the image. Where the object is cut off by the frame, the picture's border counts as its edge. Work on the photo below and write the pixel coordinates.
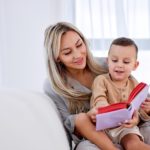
(75, 74)
(82, 76)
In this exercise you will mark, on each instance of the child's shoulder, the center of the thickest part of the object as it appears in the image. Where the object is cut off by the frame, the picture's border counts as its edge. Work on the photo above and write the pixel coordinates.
(102, 77)
(133, 81)
(102, 80)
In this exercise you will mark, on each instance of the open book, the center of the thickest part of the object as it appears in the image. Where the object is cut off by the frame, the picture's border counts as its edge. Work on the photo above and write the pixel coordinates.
(110, 116)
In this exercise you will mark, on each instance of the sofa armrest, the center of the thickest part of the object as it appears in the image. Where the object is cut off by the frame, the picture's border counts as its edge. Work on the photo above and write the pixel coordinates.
(29, 121)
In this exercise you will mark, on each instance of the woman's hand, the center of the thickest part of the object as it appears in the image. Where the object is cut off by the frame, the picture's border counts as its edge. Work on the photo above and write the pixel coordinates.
(92, 114)
(132, 122)
(146, 106)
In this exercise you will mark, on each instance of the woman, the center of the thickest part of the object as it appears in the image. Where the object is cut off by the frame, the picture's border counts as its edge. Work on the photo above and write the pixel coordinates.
(72, 70)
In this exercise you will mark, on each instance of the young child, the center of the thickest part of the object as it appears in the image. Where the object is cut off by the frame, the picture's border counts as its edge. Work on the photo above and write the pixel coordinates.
(116, 86)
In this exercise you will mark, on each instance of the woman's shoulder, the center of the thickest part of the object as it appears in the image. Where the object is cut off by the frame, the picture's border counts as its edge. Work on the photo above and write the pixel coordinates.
(102, 61)
(47, 87)
(49, 90)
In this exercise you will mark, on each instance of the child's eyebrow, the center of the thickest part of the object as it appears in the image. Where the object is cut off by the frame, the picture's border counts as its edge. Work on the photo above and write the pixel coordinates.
(127, 58)
(113, 56)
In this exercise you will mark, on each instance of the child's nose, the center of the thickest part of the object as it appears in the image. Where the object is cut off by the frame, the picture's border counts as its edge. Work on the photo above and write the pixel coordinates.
(120, 64)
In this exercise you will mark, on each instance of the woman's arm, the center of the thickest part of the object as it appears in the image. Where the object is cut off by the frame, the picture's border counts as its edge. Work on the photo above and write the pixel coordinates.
(146, 106)
(145, 110)
(76, 125)
(66, 118)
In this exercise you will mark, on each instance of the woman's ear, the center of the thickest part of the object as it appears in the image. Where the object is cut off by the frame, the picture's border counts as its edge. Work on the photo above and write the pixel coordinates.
(58, 60)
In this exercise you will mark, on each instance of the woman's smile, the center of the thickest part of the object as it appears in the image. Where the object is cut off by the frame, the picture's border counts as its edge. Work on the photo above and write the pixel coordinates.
(79, 61)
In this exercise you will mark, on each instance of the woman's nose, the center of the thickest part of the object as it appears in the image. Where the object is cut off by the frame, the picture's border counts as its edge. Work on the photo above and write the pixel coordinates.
(76, 54)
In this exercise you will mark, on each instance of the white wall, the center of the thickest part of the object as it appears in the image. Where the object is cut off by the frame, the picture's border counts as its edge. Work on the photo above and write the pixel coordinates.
(22, 26)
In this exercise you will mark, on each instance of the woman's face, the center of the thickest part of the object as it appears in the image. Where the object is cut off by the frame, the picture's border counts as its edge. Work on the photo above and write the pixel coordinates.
(72, 51)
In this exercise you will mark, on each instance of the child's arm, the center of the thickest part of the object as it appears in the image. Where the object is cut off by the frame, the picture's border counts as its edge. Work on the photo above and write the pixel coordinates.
(101, 103)
(92, 113)
(99, 90)
(98, 98)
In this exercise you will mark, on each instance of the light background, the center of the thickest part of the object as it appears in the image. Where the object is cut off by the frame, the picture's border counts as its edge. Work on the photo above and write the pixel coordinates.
(22, 26)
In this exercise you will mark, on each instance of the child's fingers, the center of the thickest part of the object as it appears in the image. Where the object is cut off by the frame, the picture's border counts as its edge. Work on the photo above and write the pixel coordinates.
(127, 125)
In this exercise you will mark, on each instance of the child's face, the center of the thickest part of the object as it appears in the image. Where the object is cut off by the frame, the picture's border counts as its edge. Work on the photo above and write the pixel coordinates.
(121, 62)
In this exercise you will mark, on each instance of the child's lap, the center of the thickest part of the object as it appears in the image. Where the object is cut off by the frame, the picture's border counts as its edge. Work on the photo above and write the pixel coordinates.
(144, 129)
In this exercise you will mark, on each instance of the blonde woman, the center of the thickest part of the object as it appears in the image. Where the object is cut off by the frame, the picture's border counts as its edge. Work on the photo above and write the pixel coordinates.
(72, 70)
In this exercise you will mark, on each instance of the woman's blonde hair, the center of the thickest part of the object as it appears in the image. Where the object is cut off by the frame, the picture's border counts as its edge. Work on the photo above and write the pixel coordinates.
(57, 71)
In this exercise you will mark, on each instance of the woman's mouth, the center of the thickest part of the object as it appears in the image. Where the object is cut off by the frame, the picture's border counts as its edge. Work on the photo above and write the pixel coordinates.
(79, 61)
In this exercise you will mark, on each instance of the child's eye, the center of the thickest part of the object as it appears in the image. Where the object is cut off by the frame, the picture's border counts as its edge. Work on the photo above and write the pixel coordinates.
(126, 62)
(114, 60)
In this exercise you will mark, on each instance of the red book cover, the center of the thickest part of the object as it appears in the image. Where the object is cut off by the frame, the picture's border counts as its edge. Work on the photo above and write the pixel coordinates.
(110, 116)
(122, 105)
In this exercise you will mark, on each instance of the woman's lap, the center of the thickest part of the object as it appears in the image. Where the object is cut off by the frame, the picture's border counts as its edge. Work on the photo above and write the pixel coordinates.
(87, 145)
(145, 131)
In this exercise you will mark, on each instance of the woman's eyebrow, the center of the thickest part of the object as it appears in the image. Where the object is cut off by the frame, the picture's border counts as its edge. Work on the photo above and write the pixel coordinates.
(65, 49)
(78, 41)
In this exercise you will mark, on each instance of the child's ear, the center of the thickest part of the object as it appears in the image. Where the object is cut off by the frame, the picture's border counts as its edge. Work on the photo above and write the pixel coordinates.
(136, 65)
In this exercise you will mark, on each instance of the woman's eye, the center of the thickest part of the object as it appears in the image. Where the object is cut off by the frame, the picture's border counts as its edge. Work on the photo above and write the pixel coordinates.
(67, 53)
(79, 45)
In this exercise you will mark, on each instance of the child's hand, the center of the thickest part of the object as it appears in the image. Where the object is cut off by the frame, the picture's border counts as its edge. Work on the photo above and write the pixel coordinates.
(132, 122)
(92, 114)
(146, 106)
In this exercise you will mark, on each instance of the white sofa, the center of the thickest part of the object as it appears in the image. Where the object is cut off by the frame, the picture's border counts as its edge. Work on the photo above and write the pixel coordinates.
(29, 121)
